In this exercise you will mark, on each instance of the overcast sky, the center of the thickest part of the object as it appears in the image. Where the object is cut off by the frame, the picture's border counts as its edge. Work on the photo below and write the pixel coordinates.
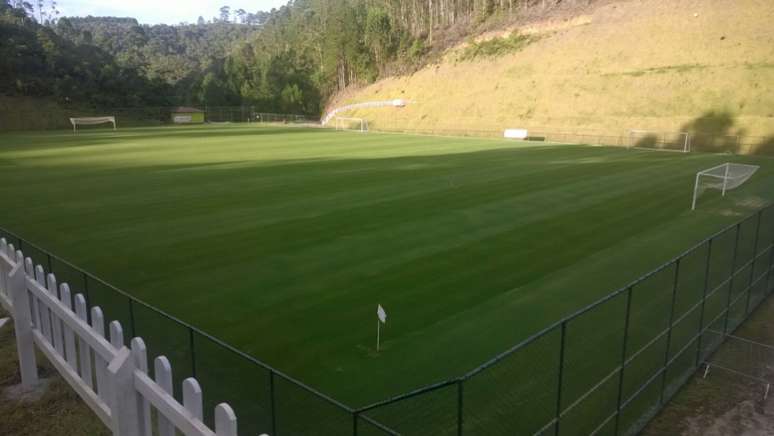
(161, 11)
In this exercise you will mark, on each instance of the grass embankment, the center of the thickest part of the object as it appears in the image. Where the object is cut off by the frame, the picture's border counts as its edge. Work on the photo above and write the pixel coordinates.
(54, 412)
(628, 65)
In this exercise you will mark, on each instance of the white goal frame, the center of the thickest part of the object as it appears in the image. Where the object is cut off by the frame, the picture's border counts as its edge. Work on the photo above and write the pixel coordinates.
(87, 121)
(727, 176)
(661, 138)
(341, 123)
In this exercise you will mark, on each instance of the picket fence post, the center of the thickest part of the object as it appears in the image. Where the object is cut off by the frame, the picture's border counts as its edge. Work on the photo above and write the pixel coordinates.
(140, 355)
(225, 420)
(22, 323)
(123, 405)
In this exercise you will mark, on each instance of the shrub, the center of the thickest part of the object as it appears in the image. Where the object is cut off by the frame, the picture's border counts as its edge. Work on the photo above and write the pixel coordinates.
(496, 46)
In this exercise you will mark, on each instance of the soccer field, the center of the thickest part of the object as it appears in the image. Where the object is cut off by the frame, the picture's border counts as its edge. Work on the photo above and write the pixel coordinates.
(282, 241)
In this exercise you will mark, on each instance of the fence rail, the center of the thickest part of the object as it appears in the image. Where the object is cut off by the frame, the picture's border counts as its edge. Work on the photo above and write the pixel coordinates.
(646, 139)
(143, 116)
(605, 369)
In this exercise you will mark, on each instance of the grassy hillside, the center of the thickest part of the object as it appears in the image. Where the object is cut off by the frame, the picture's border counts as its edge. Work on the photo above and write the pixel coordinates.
(644, 64)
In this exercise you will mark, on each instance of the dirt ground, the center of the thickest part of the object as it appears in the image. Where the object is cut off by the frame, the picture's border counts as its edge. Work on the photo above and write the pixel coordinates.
(53, 410)
(723, 403)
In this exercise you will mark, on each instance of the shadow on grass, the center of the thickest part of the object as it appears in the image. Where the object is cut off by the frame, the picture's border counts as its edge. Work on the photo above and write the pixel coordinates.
(714, 132)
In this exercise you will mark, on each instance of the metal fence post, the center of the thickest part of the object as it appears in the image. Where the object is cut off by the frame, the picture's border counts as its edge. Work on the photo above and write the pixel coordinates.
(86, 288)
(460, 420)
(355, 415)
(273, 403)
(769, 288)
(704, 301)
(131, 317)
(193, 351)
(731, 280)
(560, 377)
(752, 264)
(48, 261)
(623, 359)
(669, 331)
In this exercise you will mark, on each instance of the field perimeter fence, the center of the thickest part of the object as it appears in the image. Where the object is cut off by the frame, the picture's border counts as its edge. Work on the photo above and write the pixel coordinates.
(142, 117)
(609, 367)
(604, 370)
(711, 142)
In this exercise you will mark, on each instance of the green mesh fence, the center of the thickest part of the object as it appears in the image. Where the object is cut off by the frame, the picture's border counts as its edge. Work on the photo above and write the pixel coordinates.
(605, 370)
(526, 382)
(591, 366)
(434, 412)
(229, 377)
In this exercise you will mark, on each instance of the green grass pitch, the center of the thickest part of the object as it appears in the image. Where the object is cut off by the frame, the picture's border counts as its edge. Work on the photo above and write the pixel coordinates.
(282, 241)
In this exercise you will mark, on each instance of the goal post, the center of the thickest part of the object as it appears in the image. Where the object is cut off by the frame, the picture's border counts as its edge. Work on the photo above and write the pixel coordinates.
(88, 121)
(652, 139)
(723, 177)
(352, 124)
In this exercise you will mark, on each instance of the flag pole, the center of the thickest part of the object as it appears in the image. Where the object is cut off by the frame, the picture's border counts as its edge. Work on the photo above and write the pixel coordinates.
(378, 326)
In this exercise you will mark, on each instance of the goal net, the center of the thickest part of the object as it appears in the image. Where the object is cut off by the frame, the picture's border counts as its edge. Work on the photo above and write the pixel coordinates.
(674, 141)
(89, 121)
(352, 124)
(722, 177)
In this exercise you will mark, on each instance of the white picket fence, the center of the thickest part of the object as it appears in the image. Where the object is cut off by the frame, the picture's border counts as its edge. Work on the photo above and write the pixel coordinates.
(111, 379)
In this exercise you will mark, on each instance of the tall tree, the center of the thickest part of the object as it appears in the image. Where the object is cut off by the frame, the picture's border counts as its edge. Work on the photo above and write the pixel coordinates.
(225, 13)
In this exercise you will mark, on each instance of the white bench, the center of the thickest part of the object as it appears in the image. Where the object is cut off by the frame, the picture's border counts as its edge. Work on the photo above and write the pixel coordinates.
(515, 133)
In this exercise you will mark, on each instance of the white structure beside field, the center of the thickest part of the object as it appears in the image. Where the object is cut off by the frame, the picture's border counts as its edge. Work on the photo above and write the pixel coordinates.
(515, 133)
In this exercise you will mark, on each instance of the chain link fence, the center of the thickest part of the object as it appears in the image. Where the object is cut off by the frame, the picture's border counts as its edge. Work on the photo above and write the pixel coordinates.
(143, 117)
(712, 142)
(643, 139)
(606, 369)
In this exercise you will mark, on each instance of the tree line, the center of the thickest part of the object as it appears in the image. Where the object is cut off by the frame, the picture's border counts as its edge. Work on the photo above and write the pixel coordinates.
(291, 59)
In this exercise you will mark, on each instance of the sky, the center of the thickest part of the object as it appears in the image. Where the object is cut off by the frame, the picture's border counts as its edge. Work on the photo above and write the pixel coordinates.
(161, 11)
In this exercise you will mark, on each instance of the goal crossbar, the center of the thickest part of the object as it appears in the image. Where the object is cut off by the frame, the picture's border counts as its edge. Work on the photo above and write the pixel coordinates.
(724, 177)
(88, 121)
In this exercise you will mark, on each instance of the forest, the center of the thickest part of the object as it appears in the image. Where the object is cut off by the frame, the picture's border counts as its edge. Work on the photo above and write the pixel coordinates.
(291, 59)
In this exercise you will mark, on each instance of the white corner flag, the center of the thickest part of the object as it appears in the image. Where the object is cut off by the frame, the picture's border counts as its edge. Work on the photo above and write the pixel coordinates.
(382, 315)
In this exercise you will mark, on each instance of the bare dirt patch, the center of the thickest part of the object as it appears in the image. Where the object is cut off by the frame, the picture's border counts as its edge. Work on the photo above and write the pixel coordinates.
(53, 409)
(723, 404)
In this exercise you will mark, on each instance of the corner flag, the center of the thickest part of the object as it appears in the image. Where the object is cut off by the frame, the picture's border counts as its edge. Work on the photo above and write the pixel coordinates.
(382, 315)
